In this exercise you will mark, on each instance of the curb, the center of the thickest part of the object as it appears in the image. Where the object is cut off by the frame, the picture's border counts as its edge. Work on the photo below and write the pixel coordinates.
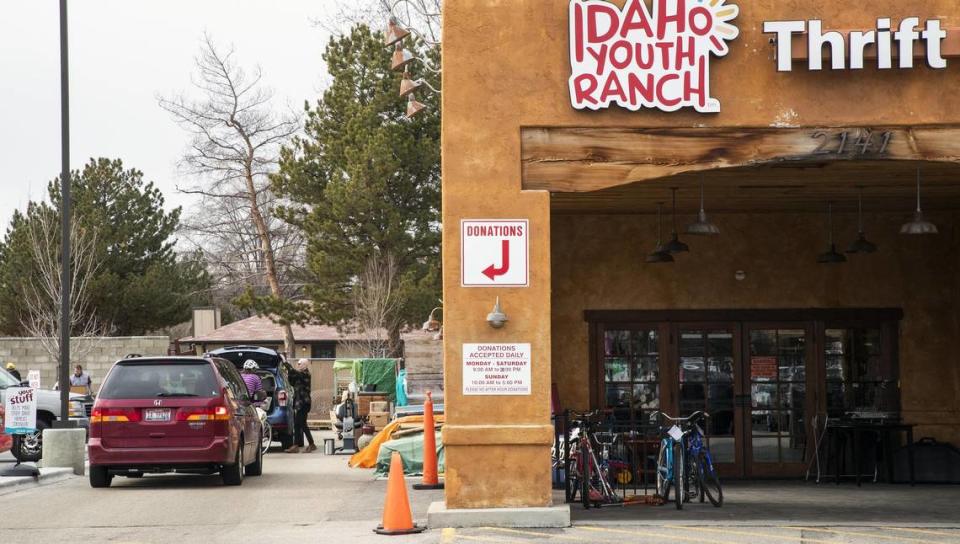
(47, 476)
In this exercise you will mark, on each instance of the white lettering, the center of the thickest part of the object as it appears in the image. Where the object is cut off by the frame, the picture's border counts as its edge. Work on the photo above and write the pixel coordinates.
(784, 31)
(835, 44)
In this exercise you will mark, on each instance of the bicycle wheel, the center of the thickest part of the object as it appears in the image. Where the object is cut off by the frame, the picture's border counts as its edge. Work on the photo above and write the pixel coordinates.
(585, 475)
(574, 477)
(663, 471)
(678, 474)
(267, 439)
(709, 481)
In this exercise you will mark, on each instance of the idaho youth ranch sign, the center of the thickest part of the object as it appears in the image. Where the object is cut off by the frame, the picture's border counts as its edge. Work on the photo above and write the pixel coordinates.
(637, 59)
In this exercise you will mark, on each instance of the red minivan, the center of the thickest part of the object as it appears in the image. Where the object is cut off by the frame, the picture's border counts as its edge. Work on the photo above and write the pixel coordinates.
(174, 414)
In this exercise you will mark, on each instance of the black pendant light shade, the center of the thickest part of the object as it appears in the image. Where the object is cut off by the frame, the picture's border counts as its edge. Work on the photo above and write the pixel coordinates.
(861, 244)
(919, 225)
(675, 245)
(702, 227)
(660, 255)
(831, 256)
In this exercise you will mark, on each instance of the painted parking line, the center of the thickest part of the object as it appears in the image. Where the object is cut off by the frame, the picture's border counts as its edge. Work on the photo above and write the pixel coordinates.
(868, 535)
(448, 535)
(657, 535)
(732, 532)
(924, 531)
(551, 536)
(472, 538)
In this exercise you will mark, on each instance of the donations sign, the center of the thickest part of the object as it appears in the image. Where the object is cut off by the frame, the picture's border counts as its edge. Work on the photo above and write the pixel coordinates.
(638, 59)
(20, 409)
(496, 369)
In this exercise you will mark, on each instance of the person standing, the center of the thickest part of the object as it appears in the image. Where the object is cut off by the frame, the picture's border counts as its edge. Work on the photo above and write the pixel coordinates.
(80, 382)
(302, 386)
(12, 369)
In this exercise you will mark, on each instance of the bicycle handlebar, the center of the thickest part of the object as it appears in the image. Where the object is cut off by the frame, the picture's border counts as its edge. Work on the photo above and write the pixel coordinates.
(692, 417)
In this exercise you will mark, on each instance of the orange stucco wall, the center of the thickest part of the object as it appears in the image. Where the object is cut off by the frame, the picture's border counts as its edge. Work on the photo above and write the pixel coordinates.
(505, 67)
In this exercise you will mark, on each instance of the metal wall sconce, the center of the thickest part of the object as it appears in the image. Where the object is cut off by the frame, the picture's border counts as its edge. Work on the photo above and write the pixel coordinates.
(497, 319)
(432, 324)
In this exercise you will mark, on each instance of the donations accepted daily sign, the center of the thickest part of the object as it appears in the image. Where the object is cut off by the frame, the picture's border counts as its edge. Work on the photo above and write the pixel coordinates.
(638, 59)
(496, 369)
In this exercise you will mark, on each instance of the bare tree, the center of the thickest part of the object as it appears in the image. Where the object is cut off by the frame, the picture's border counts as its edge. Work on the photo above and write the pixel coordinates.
(420, 16)
(43, 291)
(236, 145)
(376, 307)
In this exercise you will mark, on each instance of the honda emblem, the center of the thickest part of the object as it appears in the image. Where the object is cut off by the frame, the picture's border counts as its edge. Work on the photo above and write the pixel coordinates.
(158, 402)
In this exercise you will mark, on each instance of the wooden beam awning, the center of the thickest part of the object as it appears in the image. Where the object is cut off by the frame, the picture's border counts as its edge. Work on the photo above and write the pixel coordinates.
(580, 160)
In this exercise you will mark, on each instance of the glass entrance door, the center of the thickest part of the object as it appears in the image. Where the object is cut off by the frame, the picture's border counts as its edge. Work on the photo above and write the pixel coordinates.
(776, 377)
(708, 380)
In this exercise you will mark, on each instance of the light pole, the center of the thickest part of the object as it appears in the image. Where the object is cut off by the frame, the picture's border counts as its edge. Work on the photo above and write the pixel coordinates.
(64, 225)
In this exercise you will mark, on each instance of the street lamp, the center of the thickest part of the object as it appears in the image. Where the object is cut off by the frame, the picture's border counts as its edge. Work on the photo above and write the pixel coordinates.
(65, 287)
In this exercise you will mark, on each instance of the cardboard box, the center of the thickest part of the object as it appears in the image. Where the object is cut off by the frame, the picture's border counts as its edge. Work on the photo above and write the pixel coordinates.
(379, 406)
(379, 420)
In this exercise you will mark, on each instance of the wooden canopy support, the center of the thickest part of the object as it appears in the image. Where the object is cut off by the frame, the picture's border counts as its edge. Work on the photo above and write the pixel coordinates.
(578, 160)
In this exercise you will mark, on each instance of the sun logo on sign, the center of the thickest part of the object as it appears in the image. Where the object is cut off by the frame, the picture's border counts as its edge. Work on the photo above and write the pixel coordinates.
(638, 59)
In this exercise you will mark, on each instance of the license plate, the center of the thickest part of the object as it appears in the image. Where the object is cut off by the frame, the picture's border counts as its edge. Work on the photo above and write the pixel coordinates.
(156, 415)
(675, 433)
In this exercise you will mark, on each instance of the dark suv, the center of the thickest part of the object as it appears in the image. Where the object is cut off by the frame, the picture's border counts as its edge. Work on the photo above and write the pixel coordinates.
(174, 414)
(276, 382)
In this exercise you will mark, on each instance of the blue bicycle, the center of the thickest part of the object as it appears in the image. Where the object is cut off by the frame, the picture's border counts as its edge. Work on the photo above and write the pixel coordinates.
(685, 463)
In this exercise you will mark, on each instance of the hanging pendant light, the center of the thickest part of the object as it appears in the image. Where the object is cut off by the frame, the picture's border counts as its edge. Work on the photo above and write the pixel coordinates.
(861, 244)
(675, 245)
(919, 225)
(702, 227)
(660, 255)
(831, 256)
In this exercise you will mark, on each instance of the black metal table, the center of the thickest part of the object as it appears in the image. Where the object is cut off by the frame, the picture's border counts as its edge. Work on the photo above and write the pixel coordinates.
(856, 429)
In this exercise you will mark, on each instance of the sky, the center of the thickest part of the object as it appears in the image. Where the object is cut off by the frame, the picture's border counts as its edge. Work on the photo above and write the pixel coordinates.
(123, 54)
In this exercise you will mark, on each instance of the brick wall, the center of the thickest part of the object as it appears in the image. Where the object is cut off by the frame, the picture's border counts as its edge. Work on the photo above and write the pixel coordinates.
(28, 354)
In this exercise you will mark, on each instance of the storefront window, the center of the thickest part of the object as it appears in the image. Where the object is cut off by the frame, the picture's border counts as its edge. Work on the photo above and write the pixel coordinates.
(858, 380)
(632, 371)
(778, 394)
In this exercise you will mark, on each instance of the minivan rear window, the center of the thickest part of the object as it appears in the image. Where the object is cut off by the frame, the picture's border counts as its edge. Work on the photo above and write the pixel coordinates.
(135, 380)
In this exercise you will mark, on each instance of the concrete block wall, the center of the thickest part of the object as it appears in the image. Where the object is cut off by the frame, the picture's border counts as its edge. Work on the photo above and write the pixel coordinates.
(29, 354)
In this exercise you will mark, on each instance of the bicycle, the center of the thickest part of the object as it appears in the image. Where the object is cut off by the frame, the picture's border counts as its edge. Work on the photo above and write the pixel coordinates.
(592, 474)
(683, 442)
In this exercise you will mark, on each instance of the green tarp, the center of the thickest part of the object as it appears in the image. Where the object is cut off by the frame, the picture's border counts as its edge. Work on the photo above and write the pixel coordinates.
(377, 372)
(411, 452)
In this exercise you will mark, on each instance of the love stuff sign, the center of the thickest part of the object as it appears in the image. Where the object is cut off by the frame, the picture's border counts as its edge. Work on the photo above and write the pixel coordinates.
(637, 59)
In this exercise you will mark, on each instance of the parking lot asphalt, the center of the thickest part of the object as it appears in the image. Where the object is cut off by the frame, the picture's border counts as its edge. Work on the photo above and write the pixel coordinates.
(317, 498)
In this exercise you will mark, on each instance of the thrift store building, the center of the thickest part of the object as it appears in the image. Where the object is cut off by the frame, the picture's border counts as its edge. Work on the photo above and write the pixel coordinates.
(665, 198)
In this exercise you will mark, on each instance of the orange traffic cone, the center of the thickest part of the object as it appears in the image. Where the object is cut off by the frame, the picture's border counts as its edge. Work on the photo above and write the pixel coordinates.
(397, 517)
(430, 478)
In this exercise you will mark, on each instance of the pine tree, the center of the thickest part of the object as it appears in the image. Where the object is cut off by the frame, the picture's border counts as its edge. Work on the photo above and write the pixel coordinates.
(140, 284)
(367, 184)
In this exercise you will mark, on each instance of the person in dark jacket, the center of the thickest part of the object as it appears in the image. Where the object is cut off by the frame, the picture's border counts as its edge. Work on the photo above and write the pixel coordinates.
(300, 379)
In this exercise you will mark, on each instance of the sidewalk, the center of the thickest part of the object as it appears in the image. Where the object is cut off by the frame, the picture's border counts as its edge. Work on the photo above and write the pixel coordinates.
(47, 476)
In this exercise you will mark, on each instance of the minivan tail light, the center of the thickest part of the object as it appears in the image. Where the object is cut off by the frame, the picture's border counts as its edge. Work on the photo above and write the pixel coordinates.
(216, 413)
(113, 415)
(282, 397)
